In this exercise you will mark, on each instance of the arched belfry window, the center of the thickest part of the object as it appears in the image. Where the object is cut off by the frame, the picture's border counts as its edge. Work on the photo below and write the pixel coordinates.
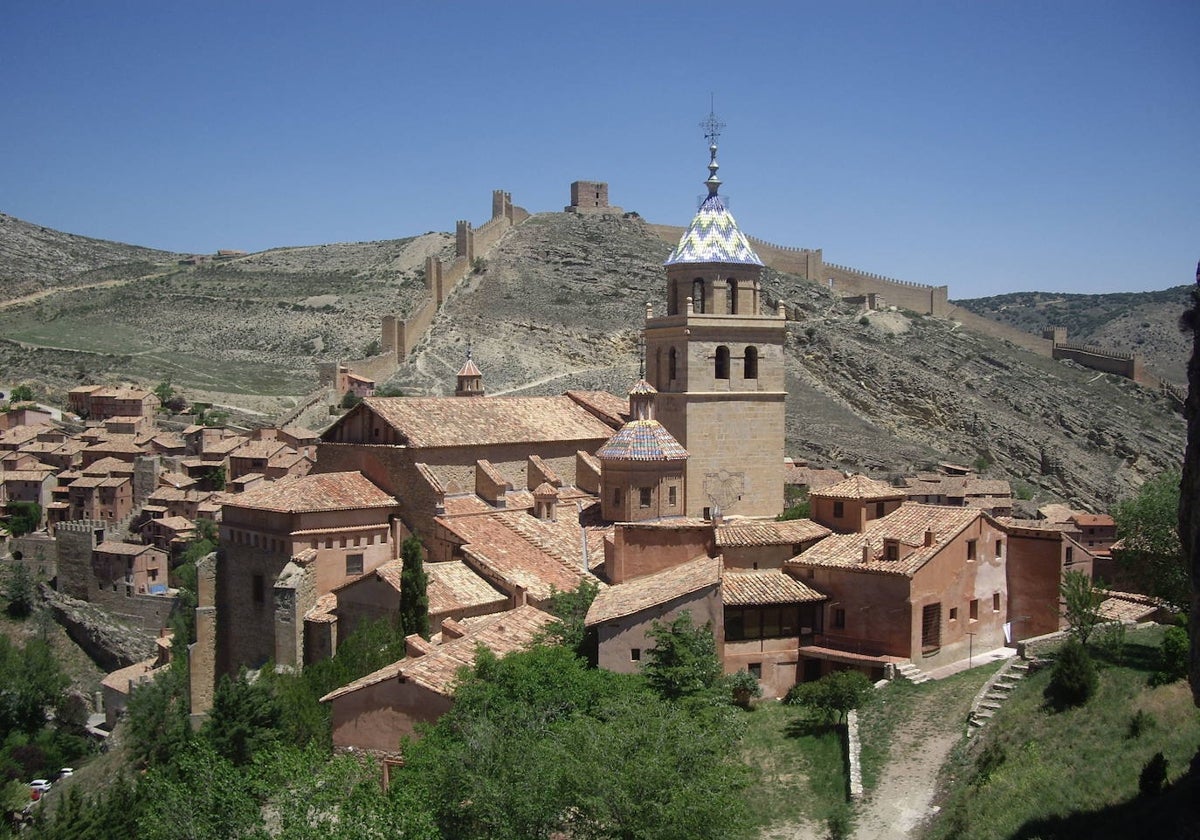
(722, 366)
(672, 365)
(750, 365)
(698, 295)
(731, 296)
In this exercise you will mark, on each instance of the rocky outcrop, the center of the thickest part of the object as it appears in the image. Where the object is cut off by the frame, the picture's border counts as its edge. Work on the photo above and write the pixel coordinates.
(110, 643)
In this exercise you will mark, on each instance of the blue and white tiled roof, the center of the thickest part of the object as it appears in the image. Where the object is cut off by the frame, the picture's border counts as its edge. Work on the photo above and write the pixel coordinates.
(642, 440)
(713, 237)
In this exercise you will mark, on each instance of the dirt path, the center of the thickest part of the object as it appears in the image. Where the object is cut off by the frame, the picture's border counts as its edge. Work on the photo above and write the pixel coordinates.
(60, 290)
(900, 805)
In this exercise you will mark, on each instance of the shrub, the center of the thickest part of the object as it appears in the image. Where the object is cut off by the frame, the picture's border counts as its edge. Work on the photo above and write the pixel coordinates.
(1154, 776)
(833, 695)
(1074, 679)
(744, 687)
(1172, 657)
(1139, 723)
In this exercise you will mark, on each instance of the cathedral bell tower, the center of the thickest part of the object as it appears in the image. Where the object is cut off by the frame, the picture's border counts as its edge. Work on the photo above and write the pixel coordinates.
(716, 360)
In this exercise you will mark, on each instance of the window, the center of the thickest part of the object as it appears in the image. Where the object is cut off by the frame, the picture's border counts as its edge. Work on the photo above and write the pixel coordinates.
(731, 296)
(954, 613)
(672, 361)
(698, 295)
(974, 614)
(721, 368)
(1070, 554)
(931, 628)
(891, 550)
(354, 564)
(996, 602)
(644, 497)
(771, 622)
(750, 364)
(635, 654)
(672, 496)
(616, 495)
(755, 669)
(257, 588)
(879, 509)
(839, 510)
(999, 549)
(972, 545)
(839, 618)
(329, 542)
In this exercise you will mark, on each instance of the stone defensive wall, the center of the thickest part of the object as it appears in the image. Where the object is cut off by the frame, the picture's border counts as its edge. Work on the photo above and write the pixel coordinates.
(400, 335)
(1128, 365)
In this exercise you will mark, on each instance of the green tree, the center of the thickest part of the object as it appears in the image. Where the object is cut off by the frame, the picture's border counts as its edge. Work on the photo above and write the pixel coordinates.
(833, 695)
(244, 720)
(158, 715)
(1148, 526)
(350, 400)
(20, 591)
(24, 517)
(21, 393)
(198, 796)
(214, 479)
(1172, 657)
(570, 610)
(683, 662)
(414, 600)
(1074, 679)
(1081, 603)
(168, 397)
(30, 683)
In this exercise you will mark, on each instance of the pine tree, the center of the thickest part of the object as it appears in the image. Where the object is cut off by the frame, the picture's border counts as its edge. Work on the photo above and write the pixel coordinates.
(414, 602)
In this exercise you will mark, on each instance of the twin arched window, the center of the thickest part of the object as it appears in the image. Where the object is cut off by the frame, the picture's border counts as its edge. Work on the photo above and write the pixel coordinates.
(749, 363)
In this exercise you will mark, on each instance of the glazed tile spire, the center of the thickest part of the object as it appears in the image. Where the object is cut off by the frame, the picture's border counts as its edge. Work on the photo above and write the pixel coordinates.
(713, 236)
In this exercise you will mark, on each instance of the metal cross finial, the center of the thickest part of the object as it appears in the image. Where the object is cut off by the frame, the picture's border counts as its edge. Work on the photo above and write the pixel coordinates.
(712, 125)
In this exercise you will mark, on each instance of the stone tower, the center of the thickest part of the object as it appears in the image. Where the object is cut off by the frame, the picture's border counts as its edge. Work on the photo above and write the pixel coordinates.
(717, 362)
(470, 379)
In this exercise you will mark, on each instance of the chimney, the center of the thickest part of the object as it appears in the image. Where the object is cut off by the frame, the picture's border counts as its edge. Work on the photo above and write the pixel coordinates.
(929, 537)
(866, 552)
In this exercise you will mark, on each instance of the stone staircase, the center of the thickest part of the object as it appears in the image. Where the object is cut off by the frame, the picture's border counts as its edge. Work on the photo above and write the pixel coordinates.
(993, 694)
(912, 673)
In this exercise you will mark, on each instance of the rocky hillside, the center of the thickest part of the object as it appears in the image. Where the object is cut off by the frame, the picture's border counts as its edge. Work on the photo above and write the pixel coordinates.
(35, 258)
(1140, 322)
(562, 302)
(257, 324)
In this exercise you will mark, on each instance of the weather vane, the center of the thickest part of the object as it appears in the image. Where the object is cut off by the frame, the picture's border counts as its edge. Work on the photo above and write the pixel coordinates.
(711, 125)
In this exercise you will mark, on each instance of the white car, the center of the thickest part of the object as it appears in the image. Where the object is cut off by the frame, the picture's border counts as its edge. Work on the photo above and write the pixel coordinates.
(65, 772)
(39, 788)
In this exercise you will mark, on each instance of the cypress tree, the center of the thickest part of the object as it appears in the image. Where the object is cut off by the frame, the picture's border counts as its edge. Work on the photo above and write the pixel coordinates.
(414, 602)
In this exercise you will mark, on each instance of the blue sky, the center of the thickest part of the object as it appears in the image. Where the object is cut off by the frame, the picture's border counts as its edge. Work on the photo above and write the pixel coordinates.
(991, 146)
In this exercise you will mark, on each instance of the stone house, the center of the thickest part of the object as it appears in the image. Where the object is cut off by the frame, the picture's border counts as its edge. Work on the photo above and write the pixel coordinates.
(108, 498)
(374, 713)
(129, 569)
(1039, 554)
(849, 505)
(923, 582)
(98, 402)
(282, 546)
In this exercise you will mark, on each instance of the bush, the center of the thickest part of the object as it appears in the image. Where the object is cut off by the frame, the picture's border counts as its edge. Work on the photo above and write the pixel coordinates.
(833, 695)
(1074, 679)
(1172, 657)
(1154, 776)
(1139, 723)
(744, 686)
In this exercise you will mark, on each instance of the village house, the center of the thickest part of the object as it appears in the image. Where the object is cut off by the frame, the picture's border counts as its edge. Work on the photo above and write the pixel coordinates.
(99, 402)
(1039, 554)
(849, 505)
(130, 569)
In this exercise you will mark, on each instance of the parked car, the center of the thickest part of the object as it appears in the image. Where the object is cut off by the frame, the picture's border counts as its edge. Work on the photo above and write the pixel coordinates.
(38, 788)
(65, 772)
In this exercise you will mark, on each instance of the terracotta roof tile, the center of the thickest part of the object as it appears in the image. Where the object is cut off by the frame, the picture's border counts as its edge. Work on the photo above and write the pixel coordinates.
(750, 587)
(908, 524)
(442, 421)
(859, 487)
(749, 532)
(1101, 520)
(610, 408)
(642, 440)
(642, 593)
(322, 491)
(454, 586)
(437, 670)
(112, 547)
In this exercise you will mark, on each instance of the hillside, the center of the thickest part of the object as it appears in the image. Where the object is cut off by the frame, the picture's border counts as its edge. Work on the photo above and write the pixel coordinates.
(1140, 322)
(257, 324)
(563, 298)
(560, 304)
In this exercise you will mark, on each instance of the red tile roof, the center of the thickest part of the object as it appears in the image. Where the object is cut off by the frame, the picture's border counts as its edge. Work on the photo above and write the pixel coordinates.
(634, 596)
(751, 532)
(859, 487)
(908, 524)
(751, 587)
(445, 421)
(323, 491)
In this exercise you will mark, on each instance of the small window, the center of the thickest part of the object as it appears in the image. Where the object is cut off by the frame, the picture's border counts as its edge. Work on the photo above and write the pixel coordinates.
(755, 669)
(354, 564)
(879, 509)
(931, 628)
(954, 613)
(616, 495)
(999, 549)
(839, 618)
(698, 295)
(972, 545)
(750, 364)
(329, 542)
(672, 496)
(1070, 555)
(731, 296)
(839, 510)
(672, 363)
(256, 588)
(644, 497)
(974, 609)
(996, 602)
(635, 654)
(707, 514)
(721, 366)
(891, 551)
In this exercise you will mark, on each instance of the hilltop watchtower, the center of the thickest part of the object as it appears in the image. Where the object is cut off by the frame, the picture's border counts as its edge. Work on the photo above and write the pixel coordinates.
(590, 197)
